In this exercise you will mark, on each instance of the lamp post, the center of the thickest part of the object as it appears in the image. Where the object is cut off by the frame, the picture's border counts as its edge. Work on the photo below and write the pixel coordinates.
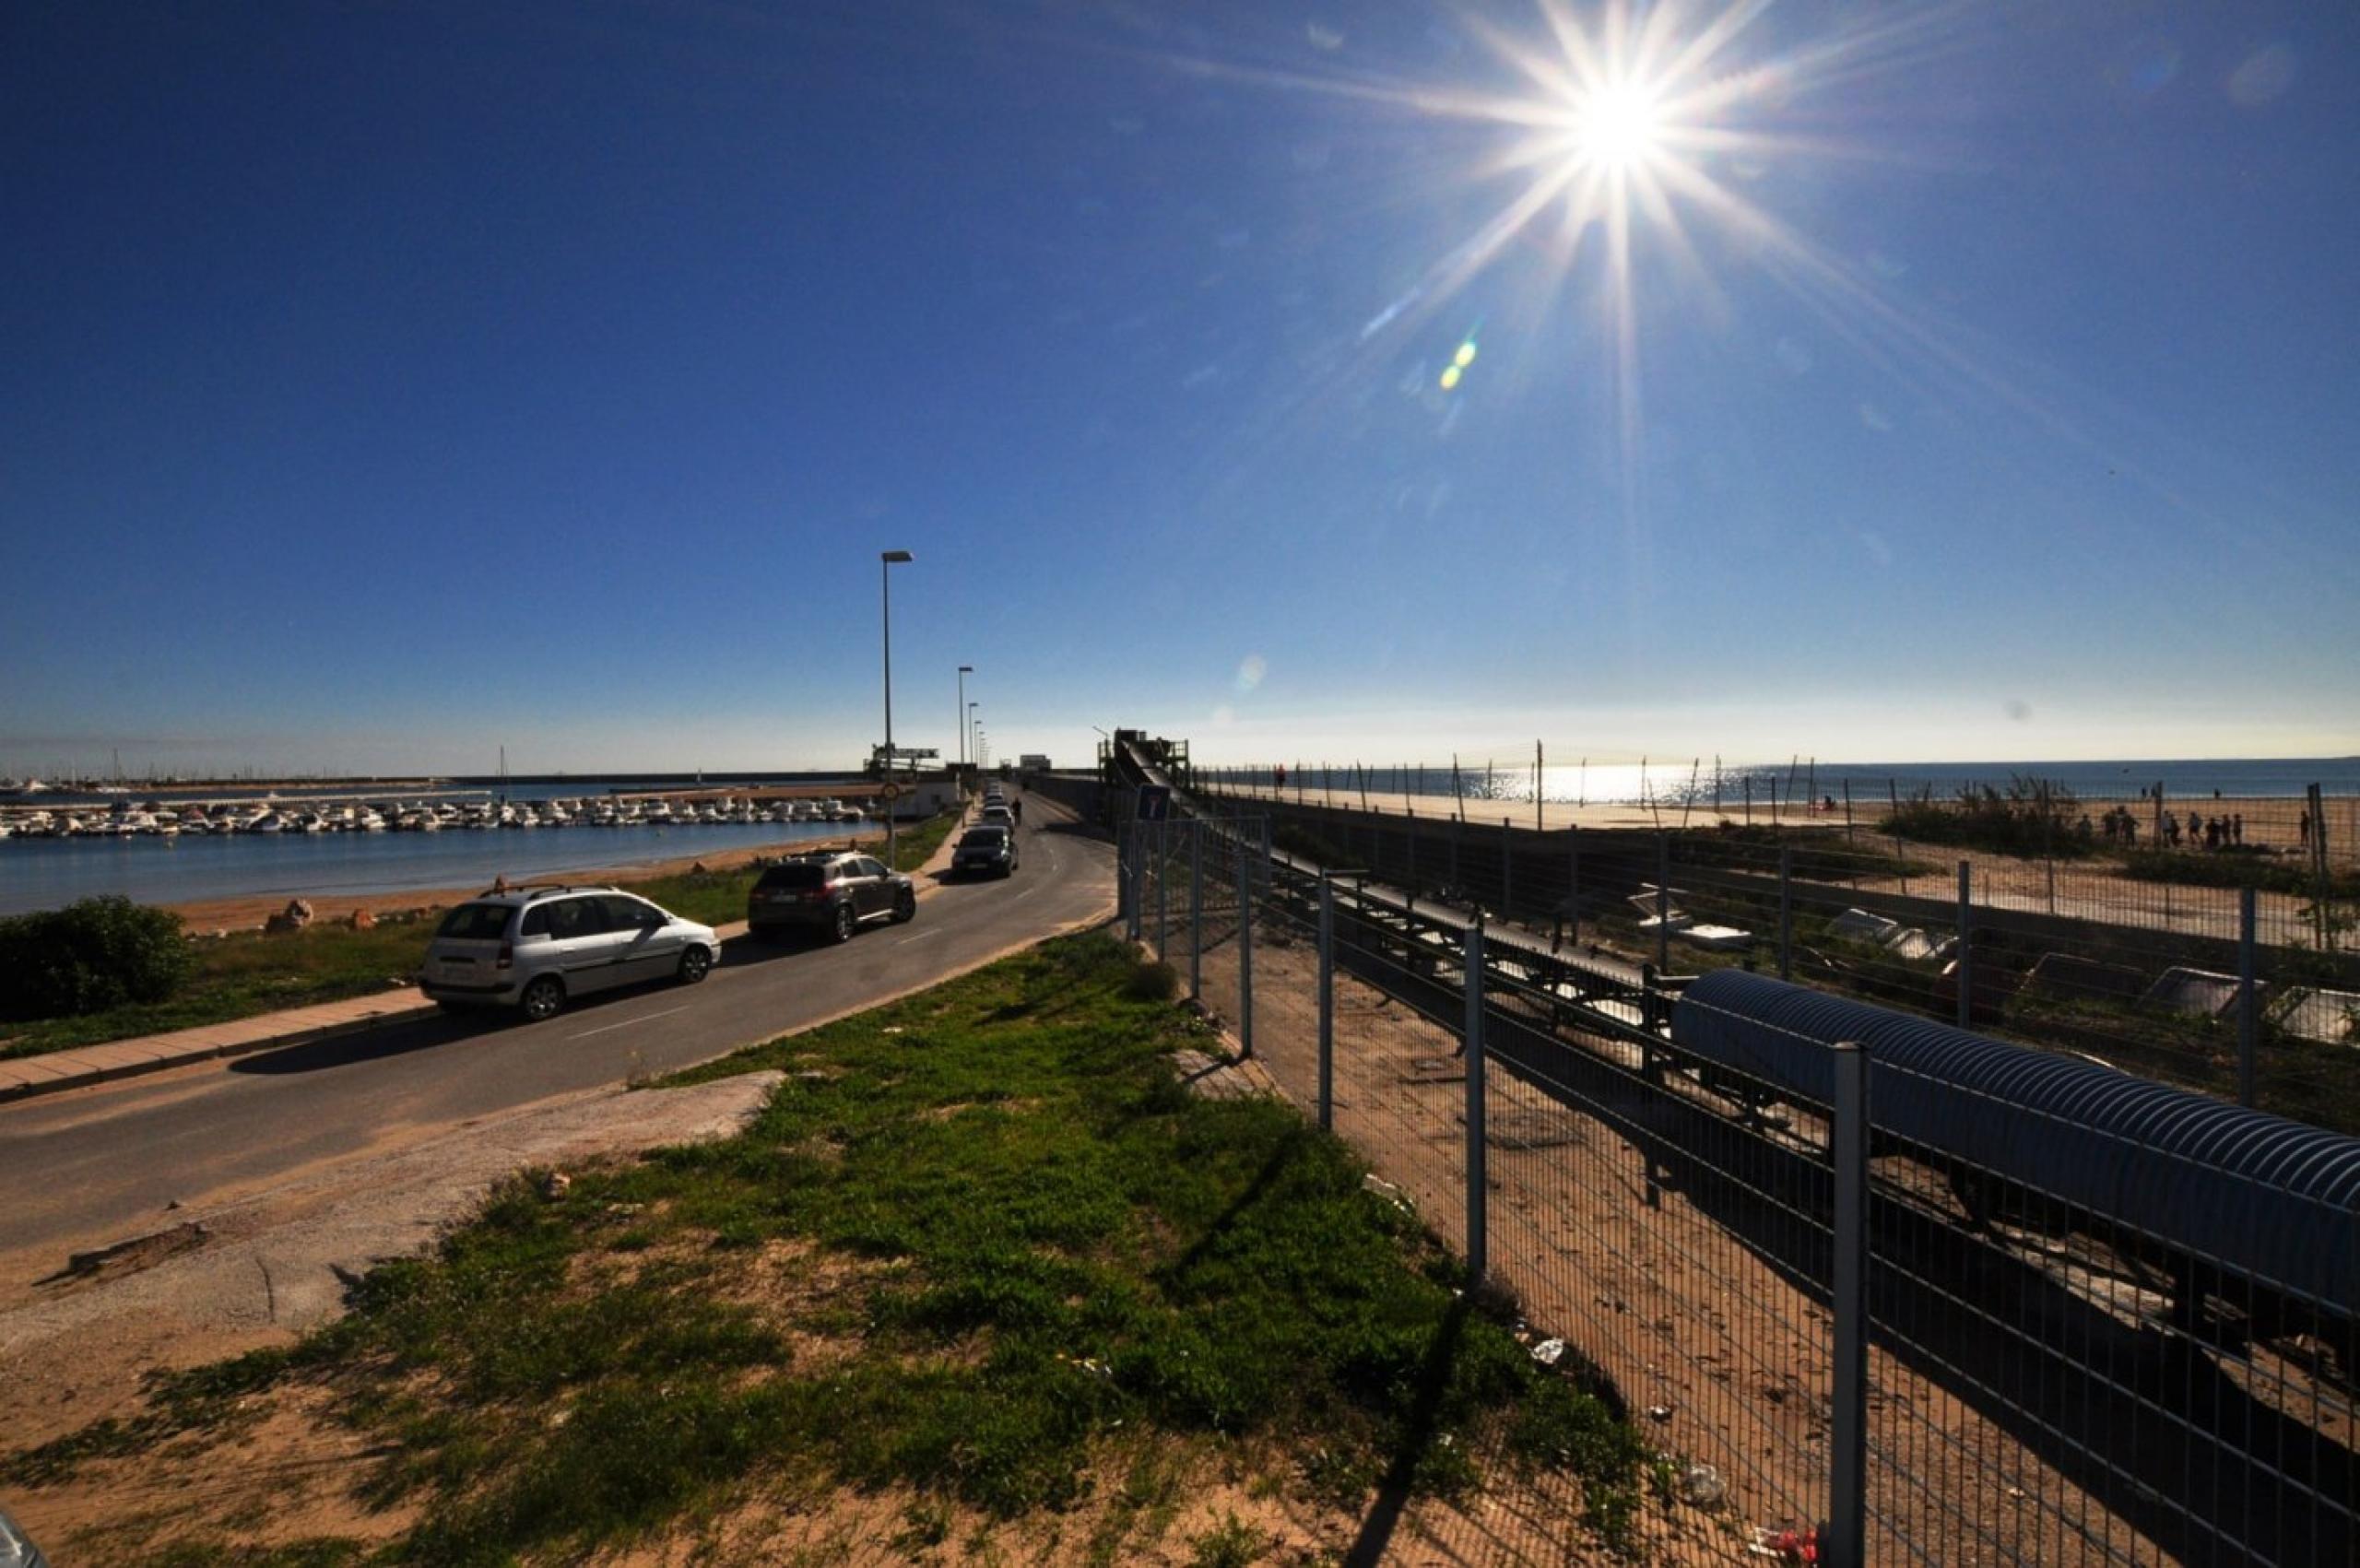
(964, 671)
(887, 560)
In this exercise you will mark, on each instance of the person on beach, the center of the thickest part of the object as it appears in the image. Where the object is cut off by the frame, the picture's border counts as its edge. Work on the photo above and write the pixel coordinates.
(2303, 829)
(2212, 833)
(2195, 829)
(2238, 830)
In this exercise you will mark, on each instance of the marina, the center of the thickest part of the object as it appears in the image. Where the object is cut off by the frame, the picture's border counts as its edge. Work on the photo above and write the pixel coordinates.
(158, 850)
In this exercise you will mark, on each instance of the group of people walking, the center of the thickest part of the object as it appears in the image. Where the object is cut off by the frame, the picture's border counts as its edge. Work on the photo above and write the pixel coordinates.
(2120, 825)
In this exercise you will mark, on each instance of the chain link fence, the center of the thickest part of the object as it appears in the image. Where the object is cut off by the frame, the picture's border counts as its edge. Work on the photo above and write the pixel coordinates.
(1879, 1289)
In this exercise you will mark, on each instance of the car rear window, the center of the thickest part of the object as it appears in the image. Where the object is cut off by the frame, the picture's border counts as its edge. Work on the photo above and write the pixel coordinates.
(801, 874)
(984, 838)
(476, 921)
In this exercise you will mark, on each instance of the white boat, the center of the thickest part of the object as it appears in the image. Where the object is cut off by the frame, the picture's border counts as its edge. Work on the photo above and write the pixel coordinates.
(268, 822)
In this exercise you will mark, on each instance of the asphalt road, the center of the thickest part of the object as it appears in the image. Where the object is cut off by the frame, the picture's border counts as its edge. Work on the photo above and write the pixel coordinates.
(102, 1164)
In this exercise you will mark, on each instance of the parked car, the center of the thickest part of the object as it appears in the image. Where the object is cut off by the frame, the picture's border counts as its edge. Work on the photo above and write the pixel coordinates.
(988, 850)
(997, 817)
(536, 949)
(16, 1550)
(833, 894)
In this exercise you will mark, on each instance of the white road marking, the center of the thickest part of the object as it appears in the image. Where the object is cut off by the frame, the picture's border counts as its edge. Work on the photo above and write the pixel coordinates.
(919, 936)
(643, 1018)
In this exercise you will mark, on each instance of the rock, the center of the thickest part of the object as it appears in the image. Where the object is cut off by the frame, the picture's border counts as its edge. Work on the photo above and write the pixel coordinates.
(294, 917)
(1701, 1487)
(554, 1186)
(698, 869)
(1549, 1352)
(363, 920)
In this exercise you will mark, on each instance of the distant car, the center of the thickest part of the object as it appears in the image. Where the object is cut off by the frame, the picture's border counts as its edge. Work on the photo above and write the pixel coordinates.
(833, 894)
(987, 851)
(997, 817)
(537, 948)
(16, 1550)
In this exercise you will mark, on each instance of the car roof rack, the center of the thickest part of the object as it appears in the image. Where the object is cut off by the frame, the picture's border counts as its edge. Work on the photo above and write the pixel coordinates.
(543, 889)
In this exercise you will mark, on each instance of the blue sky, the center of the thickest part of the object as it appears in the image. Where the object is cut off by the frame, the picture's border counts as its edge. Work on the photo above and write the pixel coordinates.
(386, 383)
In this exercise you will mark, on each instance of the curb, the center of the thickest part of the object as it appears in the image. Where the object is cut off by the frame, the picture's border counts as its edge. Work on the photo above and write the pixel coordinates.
(67, 1069)
(53, 1072)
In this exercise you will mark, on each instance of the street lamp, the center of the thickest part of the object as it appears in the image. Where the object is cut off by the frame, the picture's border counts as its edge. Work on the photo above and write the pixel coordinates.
(964, 671)
(887, 560)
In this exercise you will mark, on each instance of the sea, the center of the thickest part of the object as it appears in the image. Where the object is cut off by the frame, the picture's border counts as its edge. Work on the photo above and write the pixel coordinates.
(1672, 781)
(47, 873)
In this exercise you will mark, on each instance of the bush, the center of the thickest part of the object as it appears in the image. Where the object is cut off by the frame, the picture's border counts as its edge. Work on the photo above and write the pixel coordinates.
(1153, 983)
(100, 953)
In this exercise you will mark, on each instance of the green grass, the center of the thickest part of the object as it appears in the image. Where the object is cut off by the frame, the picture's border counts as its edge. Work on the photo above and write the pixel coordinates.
(915, 846)
(248, 973)
(980, 1244)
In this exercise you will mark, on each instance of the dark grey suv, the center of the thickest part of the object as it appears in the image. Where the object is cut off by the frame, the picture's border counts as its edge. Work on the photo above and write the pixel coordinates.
(833, 894)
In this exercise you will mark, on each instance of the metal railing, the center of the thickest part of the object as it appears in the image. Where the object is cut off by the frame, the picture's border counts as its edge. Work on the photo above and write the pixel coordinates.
(1846, 1329)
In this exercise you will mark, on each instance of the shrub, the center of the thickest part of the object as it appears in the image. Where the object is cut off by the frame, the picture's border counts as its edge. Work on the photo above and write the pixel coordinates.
(1153, 983)
(99, 953)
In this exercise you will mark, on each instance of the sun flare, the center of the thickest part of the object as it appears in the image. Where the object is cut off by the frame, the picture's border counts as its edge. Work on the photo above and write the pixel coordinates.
(1618, 126)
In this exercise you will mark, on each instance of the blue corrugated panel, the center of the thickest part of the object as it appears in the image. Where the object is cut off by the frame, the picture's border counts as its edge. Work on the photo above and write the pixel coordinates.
(2268, 1198)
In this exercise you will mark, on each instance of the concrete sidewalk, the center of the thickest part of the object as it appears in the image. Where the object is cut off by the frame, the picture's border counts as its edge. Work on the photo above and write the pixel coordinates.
(84, 1064)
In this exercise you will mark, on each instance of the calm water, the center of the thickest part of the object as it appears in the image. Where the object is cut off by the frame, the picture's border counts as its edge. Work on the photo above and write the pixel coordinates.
(44, 873)
(1510, 778)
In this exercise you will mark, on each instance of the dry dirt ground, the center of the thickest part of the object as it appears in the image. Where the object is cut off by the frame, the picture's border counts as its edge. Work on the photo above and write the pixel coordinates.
(73, 1350)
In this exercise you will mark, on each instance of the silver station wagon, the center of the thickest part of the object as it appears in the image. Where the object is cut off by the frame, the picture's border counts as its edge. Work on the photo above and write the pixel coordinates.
(537, 948)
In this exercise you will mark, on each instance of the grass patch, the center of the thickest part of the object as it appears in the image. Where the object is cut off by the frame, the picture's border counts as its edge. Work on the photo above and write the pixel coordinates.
(980, 1244)
(247, 973)
(915, 846)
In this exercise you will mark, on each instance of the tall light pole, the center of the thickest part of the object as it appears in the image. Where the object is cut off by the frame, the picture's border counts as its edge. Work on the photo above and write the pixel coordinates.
(964, 671)
(887, 560)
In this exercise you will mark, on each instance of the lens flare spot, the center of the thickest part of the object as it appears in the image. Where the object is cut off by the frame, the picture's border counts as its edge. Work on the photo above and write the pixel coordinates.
(1465, 357)
(1450, 375)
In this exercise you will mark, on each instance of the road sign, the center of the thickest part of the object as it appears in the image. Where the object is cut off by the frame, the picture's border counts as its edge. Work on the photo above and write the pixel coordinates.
(1155, 802)
(891, 792)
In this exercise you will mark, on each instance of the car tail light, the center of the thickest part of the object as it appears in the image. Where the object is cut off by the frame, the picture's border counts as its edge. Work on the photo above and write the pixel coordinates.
(507, 958)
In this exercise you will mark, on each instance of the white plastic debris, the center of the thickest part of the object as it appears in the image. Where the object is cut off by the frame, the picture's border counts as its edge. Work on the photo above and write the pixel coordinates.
(1548, 1351)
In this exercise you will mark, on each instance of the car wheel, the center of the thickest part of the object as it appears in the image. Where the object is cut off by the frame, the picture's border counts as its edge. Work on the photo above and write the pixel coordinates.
(905, 907)
(695, 964)
(543, 999)
(842, 929)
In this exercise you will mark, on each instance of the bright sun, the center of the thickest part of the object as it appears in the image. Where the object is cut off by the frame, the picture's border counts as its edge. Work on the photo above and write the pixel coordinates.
(1617, 126)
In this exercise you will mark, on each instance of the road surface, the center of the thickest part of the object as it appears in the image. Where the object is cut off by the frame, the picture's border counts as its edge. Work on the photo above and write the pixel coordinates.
(102, 1164)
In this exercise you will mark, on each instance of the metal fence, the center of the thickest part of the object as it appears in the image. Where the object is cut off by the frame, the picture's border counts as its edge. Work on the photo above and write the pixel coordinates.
(1863, 1298)
(2247, 993)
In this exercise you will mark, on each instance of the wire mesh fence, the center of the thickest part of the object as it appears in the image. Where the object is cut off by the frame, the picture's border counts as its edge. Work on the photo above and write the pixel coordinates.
(1976, 1313)
(2249, 993)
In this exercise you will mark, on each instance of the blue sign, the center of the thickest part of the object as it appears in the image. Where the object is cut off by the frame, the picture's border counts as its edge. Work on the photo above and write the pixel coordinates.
(1155, 802)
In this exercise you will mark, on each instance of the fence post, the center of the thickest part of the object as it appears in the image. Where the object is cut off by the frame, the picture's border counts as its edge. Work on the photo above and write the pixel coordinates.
(1197, 910)
(1844, 1545)
(1574, 892)
(1326, 1004)
(1663, 902)
(2248, 1018)
(1507, 873)
(1965, 945)
(1786, 912)
(1123, 873)
(1244, 947)
(1162, 897)
(1477, 1243)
